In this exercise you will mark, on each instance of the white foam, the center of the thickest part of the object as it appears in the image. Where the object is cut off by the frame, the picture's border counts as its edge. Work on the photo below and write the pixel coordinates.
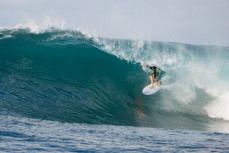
(219, 108)
(6, 36)
(48, 24)
(37, 27)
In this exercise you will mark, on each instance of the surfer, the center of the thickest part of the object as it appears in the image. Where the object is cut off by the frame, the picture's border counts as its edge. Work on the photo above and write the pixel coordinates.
(155, 83)
(154, 75)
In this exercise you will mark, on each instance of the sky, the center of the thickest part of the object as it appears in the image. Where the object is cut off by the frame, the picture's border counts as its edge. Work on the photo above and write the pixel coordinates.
(202, 22)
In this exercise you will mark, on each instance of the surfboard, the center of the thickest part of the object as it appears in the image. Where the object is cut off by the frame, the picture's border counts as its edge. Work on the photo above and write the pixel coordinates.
(149, 91)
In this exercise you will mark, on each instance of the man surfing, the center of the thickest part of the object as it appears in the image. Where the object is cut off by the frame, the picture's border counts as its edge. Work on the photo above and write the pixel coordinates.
(154, 75)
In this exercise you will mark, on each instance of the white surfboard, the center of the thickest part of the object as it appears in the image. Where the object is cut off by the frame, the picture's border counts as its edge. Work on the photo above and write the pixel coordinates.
(149, 91)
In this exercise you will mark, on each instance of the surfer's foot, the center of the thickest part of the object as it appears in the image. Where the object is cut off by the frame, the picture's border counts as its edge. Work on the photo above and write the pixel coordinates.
(151, 86)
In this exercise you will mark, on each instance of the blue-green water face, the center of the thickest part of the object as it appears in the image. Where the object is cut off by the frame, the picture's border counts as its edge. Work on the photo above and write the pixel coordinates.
(69, 77)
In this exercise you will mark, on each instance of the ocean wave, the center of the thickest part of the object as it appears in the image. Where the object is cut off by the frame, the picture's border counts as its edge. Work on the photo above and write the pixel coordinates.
(70, 76)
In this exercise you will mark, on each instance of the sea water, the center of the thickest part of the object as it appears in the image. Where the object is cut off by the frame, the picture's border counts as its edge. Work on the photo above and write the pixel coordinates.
(63, 91)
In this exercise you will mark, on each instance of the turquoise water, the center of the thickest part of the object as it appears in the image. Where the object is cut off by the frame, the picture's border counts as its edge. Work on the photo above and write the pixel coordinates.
(77, 85)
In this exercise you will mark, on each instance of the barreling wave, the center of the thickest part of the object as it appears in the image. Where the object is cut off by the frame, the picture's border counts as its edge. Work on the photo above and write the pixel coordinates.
(68, 76)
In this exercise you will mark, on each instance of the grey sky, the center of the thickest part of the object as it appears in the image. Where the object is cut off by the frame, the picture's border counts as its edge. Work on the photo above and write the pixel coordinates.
(188, 21)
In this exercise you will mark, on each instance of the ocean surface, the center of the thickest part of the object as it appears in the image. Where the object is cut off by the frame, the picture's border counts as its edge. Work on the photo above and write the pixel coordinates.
(66, 91)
